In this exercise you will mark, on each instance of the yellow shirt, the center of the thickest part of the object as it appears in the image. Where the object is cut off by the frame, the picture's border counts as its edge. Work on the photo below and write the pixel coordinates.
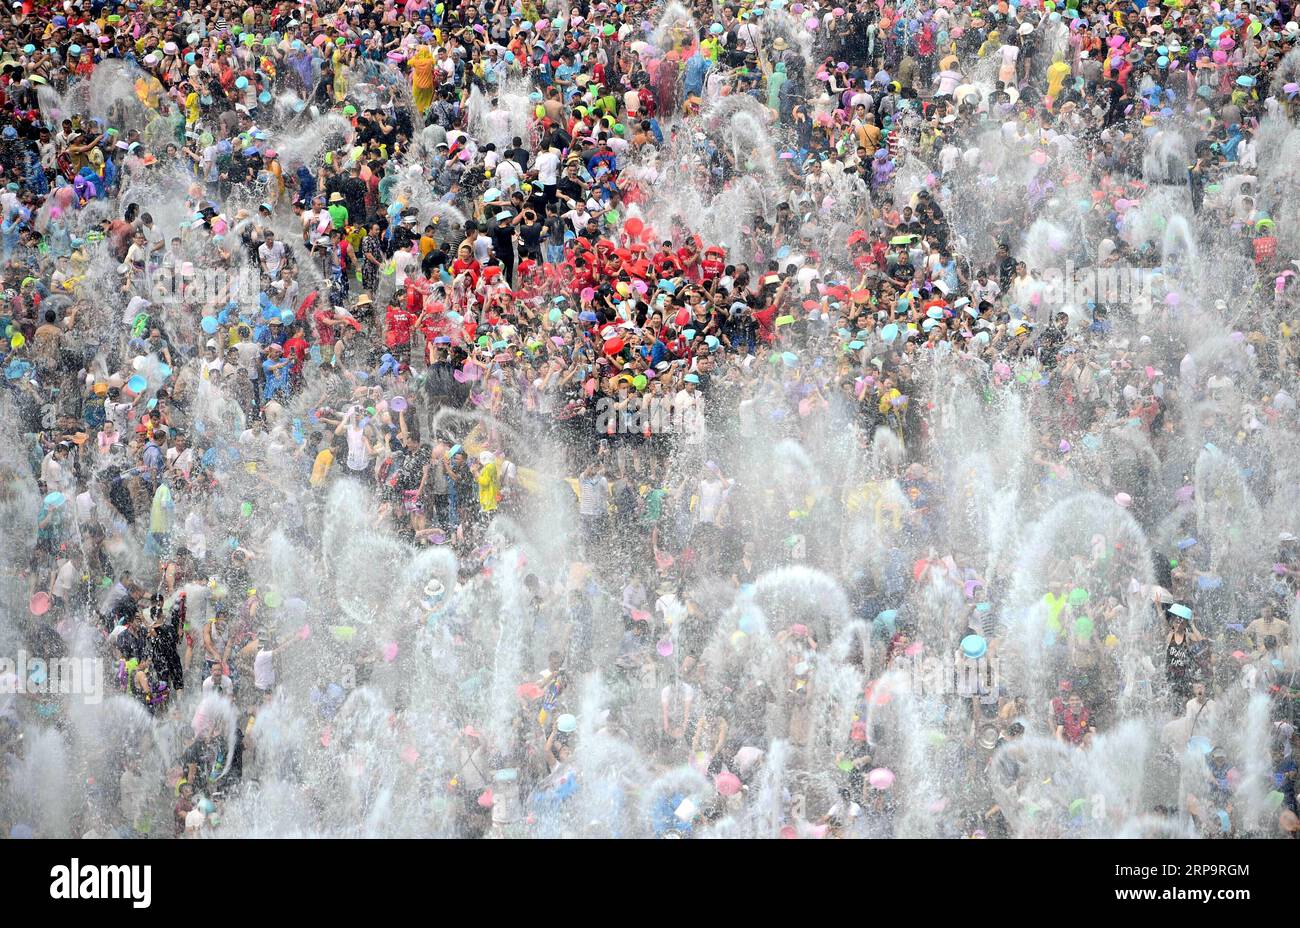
(1056, 75)
(321, 467)
(489, 494)
(277, 173)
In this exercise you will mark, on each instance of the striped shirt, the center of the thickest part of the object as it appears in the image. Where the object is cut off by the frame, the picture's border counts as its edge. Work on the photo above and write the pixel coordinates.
(593, 493)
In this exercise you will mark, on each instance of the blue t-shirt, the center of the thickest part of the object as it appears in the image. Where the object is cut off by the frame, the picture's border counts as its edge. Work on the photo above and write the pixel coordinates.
(277, 378)
(696, 67)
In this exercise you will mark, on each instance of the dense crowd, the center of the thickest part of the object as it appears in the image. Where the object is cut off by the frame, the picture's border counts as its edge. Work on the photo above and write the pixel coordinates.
(678, 301)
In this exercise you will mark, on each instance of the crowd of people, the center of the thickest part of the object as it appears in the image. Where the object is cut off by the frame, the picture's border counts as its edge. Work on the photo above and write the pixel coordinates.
(671, 312)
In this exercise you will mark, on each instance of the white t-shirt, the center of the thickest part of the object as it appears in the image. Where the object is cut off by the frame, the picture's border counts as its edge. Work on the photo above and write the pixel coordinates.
(1218, 385)
(264, 669)
(507, 174)
(711, 495)
(196, 534)
(250, 358)
(688, 416)
(988, 290)
(216, 364)
(403, 263)
(358, 456)
(64, 580)
(85, 508)
(183, 462)
(57, 476)
(212, 685)
(315, 221)
(547, 165)
(272, 256)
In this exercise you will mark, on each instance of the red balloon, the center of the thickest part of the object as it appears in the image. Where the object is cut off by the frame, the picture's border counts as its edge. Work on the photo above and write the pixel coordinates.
(613, 346)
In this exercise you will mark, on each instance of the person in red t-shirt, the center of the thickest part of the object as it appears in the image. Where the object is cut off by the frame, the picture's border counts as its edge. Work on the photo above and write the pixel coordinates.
(1073, 724)
(398, 323)
(1265, 249)
(295, 347)
(688, 256)
(305, 307)
(766, 320)
(326, 331)
(714, 263)
(465, 264)
(328, 323)
(665, 262)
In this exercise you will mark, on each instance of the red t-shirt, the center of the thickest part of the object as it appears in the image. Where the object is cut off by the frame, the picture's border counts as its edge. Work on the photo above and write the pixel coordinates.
(399, 322)
(305, 306)
(324, 330)
(1075, 725)
(667, 265)
(766, 320)
(1265, 249)
(459, 267)
(690, 262)
(296, 348)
